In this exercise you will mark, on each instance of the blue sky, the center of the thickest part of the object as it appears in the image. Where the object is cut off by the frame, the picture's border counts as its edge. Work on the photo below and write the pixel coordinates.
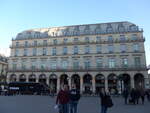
(19, 15)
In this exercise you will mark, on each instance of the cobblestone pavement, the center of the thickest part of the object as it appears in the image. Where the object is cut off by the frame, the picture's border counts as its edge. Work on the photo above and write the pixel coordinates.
(45, 104)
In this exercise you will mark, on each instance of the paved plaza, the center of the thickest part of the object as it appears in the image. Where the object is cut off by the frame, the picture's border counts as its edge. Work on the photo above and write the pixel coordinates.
(45, 104)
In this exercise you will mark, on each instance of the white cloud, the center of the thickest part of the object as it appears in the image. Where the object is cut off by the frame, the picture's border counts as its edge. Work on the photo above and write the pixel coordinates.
(5, 51)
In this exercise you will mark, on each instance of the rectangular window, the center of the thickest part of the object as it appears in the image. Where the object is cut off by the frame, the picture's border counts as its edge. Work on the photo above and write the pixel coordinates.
(54, 51)
(87, 49)
(75, 51)
(124, 62)
(136, 47)
(87, 40)
(112, 63)
(64, 64)
(14, 66)
(16, 52)
(23, 66)
(137, 61)
(134, 37)
(110, 48)
(44, 51)
(110, 39)
(25, 52)
(122, 38)
(98, 48)
(76, 40)
(65, 50)
(53, 64)
(17, 44)
(98, 39)
(34, 51)
(76, 64)
(45, 42)
(123, 48)
(87, 64)
(65, 41)
(55, 41)
(99, 63)
(26, 43)
(35, 43)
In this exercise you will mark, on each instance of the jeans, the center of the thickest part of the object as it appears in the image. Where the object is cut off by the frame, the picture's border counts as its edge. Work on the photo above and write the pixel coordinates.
(63, 108)
(73, 106)
(103, 109)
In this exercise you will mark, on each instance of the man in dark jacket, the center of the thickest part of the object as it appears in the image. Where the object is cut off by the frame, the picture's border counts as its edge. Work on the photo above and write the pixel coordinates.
(125, 95)
(74, 98)
(103, 96)
(63, 100)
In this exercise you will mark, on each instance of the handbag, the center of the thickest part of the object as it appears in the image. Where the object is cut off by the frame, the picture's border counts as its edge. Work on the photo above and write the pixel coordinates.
(109, 102)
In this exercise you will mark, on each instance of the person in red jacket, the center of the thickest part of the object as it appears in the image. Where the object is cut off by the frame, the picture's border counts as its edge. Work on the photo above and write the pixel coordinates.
(63, 100)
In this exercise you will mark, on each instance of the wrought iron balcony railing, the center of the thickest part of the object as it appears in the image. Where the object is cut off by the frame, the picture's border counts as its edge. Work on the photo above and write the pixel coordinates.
(80, 43)
(83, 69)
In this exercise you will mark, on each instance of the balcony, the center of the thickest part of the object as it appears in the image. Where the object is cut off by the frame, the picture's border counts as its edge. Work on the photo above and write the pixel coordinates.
(83, 69)
(141, 39)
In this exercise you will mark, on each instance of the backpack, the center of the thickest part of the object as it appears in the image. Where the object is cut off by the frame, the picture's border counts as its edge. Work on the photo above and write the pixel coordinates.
(109, 102)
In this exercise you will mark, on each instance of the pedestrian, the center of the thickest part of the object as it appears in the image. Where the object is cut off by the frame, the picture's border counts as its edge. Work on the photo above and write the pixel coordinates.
(142, 95)
(74, 98)
(133, 96)
(148, 94)
(137, 96)
(106, 101)
(125, 95)
(63, 100)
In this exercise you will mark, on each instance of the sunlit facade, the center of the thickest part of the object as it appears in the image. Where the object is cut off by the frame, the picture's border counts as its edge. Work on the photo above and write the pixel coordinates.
(92, 56)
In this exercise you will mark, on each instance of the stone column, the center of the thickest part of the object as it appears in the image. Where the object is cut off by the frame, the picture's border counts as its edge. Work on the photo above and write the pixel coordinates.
(81, 85)
(8, 79)
(132, 82)
(106, 84)
(93, 85)
(47, 81)
(17, 79)
(36, 80)
(69, 82)
(58, 84)
(27, 79)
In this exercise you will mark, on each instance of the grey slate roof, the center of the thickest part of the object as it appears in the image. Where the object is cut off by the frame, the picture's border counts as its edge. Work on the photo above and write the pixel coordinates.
(86, 29)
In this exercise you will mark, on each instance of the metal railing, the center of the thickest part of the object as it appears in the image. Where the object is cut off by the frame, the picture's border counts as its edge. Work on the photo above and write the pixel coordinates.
(83, 69)
(142, 39)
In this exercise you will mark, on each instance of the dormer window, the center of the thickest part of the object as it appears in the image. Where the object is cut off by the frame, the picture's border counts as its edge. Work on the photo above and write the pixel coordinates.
(133, 28)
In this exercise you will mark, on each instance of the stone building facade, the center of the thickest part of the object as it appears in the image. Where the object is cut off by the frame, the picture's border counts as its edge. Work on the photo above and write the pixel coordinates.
(92, 56)
(3, 68)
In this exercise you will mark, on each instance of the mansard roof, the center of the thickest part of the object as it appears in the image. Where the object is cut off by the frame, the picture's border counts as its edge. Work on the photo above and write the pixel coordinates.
(75, 30)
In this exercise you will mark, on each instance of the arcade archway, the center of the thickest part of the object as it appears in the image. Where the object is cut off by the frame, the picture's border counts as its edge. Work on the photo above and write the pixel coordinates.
(138, 80)
(87, 83)
(112, 83)
(22, 78)
(75, 79)
(32, 78)
(53, 83)
(99, 82)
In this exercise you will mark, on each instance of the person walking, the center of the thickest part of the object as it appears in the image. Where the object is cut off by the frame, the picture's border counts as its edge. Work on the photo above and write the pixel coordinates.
(137, 96)
(74, 98)
(63, 100)
(142, 95)
(125, 95)
(105, 101)
(133, 96)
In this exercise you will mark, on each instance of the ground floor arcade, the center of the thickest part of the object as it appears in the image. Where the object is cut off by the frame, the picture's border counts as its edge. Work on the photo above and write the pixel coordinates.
(86, 82)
